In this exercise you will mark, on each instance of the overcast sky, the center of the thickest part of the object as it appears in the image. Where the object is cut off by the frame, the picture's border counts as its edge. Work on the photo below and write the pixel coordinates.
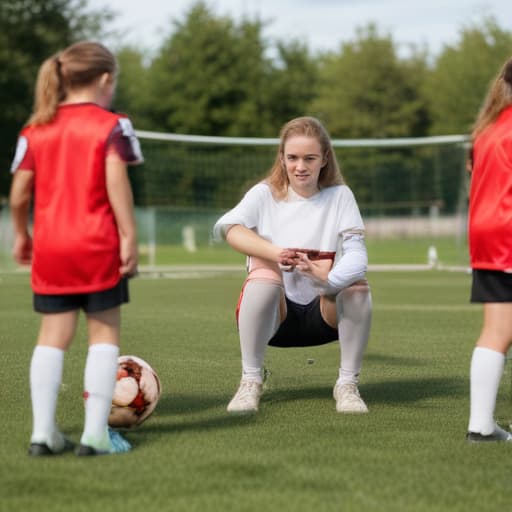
(321, 24)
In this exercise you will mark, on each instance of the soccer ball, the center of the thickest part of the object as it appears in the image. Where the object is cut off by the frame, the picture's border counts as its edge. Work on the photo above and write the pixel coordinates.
(136, 393)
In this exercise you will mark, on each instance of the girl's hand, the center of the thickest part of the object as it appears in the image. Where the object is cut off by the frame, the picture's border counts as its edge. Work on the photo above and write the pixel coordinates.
(129, 258)
(22, 249)
(317, 269)
(287, 260)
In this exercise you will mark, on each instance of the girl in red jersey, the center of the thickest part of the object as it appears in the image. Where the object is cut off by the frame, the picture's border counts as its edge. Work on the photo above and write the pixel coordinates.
(71, 157)
(490, 243)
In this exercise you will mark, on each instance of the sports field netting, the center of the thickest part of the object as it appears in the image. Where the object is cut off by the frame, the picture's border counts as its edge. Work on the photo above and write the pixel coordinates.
(412, 193)
(411, 189)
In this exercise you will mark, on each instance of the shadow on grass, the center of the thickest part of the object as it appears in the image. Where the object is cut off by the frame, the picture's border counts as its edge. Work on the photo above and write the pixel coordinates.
(403, 391)
(400, 391)
(395, 360)
(178, 404)
(413, 390)
(173, 424)
(389, 392)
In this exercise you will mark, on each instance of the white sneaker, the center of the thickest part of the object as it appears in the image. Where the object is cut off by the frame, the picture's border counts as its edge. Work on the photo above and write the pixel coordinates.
(247, 398)
(348, 399)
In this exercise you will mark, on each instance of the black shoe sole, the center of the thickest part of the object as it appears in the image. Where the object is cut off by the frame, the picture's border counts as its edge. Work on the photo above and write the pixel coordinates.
(43, 450)
(39, 450)
(475, 437)
(88, 451)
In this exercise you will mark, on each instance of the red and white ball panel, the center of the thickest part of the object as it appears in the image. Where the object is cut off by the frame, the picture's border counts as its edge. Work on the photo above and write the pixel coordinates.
(136, 392)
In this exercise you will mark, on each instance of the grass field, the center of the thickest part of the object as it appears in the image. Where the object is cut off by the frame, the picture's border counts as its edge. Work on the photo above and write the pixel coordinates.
(387, 251)
(297, 454)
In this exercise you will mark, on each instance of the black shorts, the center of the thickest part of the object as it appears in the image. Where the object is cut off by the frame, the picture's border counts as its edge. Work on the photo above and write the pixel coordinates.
(89, 302)
(303, 327)
(491, 286)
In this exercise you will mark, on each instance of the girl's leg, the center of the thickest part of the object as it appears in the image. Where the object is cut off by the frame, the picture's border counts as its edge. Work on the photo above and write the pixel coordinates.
(259, 317)
(100, 378)
(351, 313)
(487, 365)
(55, 335)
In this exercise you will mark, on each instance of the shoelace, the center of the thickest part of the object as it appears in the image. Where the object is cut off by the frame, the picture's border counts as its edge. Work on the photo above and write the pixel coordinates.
(350, 392)
(246, 390)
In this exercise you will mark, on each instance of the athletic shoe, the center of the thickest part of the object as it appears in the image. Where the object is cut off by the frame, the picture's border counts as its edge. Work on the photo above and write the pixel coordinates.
(498, 435)
(247, 398)
(118, 444)
(348, 399)
(57, 445)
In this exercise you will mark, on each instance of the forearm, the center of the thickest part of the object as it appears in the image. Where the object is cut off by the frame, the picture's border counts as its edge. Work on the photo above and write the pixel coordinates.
(19, 217)
(19, 201)
(121, 199)
(248, 242)
(351, 267)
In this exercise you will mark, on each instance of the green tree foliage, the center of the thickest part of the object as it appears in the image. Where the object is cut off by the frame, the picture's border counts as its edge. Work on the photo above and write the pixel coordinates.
(367, 91)
(209, 76)
(462, 74)
(217, 76)
(292, 84)
(31, 31)
(133, 86)
(213, 76)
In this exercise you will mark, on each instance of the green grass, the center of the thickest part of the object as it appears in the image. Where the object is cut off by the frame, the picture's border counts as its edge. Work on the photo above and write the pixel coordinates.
(297, 454)
(388, 251)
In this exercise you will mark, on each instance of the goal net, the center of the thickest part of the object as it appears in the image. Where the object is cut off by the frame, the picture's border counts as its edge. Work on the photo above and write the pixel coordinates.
(412, 192)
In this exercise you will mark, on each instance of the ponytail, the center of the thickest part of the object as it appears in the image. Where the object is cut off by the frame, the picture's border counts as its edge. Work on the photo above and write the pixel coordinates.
(77, 66)
(49, 91)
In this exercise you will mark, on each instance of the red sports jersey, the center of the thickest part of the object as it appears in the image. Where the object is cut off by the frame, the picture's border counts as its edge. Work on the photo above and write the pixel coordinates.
(76, 241)
(490, 204)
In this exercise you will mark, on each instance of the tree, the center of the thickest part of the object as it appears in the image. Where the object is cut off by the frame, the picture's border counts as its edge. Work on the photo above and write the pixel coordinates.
(209, 76)
(292, 84)
(462, 74)
(367, 91)
(132, 91)
(30, 31)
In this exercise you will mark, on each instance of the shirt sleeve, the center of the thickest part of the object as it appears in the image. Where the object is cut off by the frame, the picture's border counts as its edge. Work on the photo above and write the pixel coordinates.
(124, 142)
(349, 216)
(350, 267)
(245, 213)
(23, 158)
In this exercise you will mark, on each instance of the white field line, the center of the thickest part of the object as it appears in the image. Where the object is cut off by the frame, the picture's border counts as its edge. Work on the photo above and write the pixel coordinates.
(199, 271)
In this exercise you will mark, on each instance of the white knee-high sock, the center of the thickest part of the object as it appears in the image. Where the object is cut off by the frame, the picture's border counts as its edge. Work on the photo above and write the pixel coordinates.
(99, 381)
(45, 378)
(258, 321)
(354, 309)
(486, 371)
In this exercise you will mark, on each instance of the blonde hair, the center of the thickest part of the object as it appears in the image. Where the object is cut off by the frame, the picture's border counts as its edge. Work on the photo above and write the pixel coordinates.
(498, 98)
(330, 173)
(77, 66)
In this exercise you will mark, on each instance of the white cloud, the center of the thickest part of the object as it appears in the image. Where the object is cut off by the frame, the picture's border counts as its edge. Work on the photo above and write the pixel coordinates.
(322, 24)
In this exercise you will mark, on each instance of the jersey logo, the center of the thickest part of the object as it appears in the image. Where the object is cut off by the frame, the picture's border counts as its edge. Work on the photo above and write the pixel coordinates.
(21, 151)
(129, 133)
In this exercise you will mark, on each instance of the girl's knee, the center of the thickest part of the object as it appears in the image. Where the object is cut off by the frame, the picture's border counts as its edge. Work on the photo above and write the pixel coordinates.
(264, 270)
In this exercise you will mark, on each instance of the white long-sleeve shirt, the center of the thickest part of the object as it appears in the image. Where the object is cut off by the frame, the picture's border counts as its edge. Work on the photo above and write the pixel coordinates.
(328, 221)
